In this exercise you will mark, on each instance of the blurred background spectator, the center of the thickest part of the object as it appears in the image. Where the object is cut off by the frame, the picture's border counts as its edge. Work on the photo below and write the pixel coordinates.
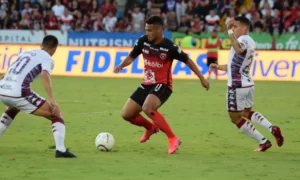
(197, 16)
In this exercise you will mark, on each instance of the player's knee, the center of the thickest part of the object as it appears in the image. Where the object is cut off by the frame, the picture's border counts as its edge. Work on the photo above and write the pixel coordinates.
(126, 116)
(235, 117)
(235, 121)
(246, 114)
(147, 109)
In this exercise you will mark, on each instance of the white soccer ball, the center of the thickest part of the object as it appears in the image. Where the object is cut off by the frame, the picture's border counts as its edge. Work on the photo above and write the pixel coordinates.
(104, 141)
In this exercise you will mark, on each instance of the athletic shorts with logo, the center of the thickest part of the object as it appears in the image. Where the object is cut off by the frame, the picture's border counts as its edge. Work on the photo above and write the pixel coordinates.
(28, 104)
(162, 91)
(239, 98)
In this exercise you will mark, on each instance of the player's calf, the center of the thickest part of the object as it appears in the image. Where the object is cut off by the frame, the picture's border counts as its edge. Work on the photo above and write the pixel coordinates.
(131, 113)
(139, 120)
(136, 119)
(7, 118)
(57, 123)
(247, 127)
(258, 118)
(150, 107)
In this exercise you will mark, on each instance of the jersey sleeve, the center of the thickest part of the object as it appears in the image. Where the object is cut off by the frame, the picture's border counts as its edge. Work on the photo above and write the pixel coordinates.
(48, 66)
(244, 42)
(177, 53)
(137, 49)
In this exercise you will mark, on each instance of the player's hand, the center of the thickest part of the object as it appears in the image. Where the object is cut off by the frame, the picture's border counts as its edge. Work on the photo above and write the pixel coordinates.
(55, 110)
(205, 84)
(212, 67)
(117, 69)
(230, 23)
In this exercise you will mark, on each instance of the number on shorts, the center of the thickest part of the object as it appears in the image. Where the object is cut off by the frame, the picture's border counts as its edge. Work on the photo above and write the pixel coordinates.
(157, 87)
(20, 65)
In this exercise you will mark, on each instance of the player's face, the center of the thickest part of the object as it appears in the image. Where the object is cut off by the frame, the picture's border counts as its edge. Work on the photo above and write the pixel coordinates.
(51, 51)
(239, 29)
(152, 31)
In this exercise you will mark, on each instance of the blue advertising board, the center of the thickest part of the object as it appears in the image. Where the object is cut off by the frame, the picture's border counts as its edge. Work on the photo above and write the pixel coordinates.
(99, 38)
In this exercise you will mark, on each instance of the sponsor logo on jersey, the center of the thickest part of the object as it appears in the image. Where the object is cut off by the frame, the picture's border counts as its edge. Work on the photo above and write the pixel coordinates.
(149, 76)
(163, 56)
(147, 44)
(154, 49)
(164, 49)
(178, 48)
(153, 64)
(146, 51)
(10, 79)
(6, 86)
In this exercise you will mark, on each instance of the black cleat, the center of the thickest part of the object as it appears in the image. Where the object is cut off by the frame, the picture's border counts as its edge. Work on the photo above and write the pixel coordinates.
(65, 154)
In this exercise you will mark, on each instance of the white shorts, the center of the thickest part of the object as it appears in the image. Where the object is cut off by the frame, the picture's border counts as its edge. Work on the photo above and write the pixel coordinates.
(239, 98)
(27, 104)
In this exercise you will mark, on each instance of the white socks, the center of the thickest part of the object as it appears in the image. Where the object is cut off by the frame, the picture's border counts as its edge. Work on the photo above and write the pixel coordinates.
(59, 132)
(5, 121)
(261, 120)
(248, 129)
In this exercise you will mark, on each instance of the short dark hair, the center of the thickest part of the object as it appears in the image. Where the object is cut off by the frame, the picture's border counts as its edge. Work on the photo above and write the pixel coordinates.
(50, 41)
(155, 20)
(243, 20)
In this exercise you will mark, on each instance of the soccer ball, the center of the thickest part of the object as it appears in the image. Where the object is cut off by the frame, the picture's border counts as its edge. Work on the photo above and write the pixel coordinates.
(104, 141)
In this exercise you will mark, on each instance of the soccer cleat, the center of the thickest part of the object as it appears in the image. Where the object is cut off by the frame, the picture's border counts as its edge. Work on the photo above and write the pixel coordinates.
(148, 133)
(65, 154)
(278, 136)
(264, 147)
(174, 143)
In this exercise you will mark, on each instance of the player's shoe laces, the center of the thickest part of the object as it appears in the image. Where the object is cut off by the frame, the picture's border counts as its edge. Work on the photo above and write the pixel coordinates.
(264, 147)
(174, 143)
(66, 154)
(148, 133)
(278, 136)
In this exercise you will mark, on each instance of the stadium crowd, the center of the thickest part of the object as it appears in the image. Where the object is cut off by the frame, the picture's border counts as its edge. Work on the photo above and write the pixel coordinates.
(274, 16)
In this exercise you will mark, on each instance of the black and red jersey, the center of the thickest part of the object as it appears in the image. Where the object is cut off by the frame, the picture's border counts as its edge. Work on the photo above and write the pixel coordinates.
(158, 59)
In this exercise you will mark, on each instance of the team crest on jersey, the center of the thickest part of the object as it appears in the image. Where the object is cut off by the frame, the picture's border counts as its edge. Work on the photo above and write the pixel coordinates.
(163, 56)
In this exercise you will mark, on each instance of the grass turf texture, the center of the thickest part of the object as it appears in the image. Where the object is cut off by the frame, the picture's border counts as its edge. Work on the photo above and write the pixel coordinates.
(212, 148)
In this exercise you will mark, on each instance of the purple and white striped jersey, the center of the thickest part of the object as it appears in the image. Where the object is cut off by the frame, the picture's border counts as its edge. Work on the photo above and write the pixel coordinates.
(239, 65)
(19, 76)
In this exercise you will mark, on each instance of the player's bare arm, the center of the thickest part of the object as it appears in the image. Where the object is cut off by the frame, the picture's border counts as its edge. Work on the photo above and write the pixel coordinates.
(214, 66)
(2, 76)
(196, 70)
(46, 79)
(128, 60)
(237, 46)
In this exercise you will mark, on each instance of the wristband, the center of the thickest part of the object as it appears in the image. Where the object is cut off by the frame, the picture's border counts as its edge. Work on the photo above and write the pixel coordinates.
(230, 31)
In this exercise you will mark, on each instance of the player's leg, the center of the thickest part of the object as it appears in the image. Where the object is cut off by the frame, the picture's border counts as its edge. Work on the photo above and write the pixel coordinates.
(37, 105)
(216, 71)
(235, 106)
(58, 129)
(7, 118)
(209, 61)
(132, 109)
(258, 118)
(158, 96)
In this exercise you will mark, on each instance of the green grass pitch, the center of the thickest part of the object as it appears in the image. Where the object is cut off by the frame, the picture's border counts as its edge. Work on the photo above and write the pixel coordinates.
(212, 149)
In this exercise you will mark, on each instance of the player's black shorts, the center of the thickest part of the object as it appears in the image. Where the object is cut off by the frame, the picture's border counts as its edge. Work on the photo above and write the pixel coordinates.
(212, 60)
(162, 91)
